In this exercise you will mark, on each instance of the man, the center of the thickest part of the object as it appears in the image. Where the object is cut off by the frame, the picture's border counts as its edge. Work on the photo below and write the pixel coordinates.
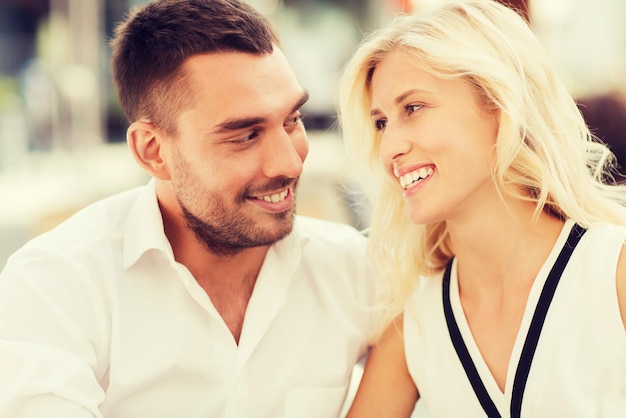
(197, 295)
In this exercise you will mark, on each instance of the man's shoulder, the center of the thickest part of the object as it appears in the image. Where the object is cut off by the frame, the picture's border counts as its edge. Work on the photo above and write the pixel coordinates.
(334, 239)
(99, 222)
(327, 230)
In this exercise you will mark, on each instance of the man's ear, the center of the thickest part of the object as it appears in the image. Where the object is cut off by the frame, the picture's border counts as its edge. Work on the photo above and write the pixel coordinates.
(146, 144)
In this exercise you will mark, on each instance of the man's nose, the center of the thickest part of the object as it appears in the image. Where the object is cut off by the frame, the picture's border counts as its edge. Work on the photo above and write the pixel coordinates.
(285, 155)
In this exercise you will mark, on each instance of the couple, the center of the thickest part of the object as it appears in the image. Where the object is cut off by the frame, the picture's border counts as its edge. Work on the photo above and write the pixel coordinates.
(499, 285)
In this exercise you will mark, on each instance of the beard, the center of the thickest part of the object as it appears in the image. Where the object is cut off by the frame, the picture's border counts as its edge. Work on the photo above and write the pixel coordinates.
(229, 232)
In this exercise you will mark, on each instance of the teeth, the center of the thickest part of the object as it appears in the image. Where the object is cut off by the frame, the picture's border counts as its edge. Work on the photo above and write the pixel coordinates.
(414, 177)
(277, 197)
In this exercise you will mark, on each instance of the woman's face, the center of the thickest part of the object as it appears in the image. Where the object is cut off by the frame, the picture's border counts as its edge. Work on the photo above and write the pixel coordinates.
(437, 141)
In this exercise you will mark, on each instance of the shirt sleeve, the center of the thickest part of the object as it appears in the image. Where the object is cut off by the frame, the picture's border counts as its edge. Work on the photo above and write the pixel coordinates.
(50, 334)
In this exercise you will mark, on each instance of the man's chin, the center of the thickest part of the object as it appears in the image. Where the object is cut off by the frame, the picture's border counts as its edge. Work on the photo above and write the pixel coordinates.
(281, 226)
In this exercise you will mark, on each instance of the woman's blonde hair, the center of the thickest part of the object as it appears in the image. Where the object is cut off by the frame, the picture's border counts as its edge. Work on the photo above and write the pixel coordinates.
(543, 146)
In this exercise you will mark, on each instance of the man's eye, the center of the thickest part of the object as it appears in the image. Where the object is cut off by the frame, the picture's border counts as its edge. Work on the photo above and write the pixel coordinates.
(247, 138)
(295, 119)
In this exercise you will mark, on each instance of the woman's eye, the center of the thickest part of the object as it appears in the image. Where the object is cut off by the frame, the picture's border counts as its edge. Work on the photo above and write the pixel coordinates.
(412, 108)
(380, 124)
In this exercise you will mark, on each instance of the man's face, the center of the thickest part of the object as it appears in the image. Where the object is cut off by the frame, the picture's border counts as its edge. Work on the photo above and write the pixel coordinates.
(238, 155)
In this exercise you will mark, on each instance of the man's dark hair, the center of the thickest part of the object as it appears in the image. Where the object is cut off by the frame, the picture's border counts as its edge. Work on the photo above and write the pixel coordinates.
(150, 45)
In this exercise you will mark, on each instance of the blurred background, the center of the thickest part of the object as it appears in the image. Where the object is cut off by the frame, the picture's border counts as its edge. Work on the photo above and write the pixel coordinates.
(62, 132)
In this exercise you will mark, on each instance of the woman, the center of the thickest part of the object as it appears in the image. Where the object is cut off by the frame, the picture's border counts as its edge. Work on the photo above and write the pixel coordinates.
(495, 222)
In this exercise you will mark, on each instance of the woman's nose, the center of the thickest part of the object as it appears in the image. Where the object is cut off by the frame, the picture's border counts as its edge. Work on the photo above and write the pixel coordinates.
(394, 143)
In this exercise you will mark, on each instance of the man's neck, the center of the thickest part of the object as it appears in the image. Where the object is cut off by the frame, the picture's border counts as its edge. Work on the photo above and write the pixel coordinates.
(227, 281)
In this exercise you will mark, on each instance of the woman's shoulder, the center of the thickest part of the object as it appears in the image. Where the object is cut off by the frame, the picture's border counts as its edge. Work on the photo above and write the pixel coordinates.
(604, 237)
(604, 254)
(428, 285)
(618, 233)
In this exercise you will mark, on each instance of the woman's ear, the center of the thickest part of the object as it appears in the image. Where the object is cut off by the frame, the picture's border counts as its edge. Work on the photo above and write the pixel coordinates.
(146, 144)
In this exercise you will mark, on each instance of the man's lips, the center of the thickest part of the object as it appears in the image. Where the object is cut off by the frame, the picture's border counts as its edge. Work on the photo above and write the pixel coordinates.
(274, 197)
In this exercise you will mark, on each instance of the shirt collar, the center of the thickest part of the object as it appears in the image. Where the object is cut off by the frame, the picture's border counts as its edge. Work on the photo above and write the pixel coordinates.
(288, 251)
(144, 228)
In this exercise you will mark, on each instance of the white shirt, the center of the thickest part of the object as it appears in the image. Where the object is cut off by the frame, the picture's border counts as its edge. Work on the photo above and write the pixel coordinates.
(97, 319)
(581, 343)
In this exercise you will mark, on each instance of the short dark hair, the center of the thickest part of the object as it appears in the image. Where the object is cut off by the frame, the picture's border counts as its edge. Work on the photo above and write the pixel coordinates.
(151, 44)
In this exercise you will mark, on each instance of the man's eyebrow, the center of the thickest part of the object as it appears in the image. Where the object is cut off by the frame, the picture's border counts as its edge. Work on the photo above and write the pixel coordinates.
(236, 124)
(303, 99)
(243, 123)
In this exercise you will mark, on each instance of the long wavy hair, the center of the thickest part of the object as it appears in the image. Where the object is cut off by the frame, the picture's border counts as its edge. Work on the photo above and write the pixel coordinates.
(543, 147)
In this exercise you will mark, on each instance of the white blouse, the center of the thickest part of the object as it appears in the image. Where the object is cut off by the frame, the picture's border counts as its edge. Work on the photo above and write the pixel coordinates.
(582, 340)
